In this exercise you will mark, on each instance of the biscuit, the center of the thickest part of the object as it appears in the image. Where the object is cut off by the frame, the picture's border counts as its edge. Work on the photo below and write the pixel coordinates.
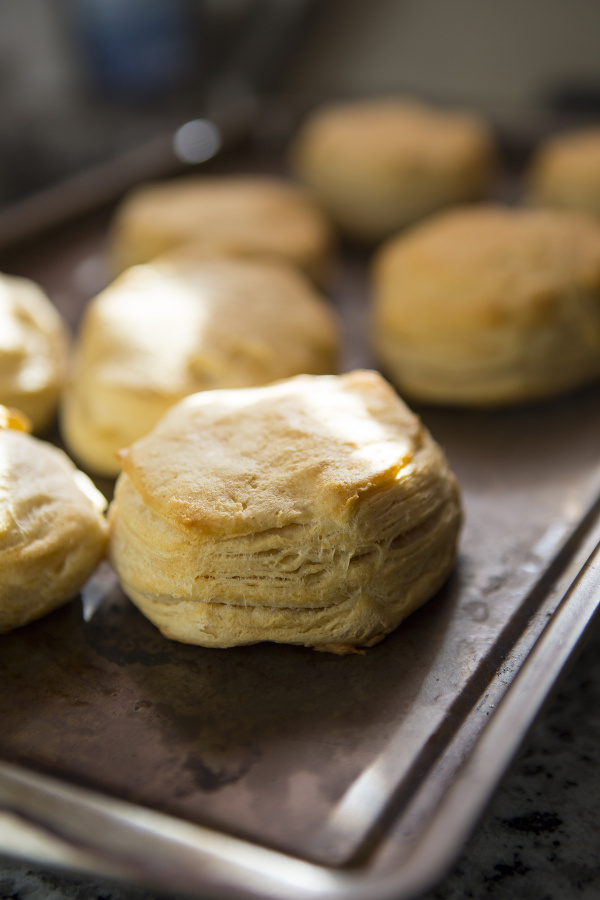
(169, 329)
(242, 215)
(34, 348)
(490, 305)
(379, 165)
(52, 530)
(565, 172)
(315, 511)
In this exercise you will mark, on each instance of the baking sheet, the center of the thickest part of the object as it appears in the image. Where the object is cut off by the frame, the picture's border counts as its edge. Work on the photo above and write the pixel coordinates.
(344, 762)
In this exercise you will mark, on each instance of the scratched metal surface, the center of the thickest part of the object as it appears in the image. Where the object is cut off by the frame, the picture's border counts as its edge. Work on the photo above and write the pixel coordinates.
(270, 742)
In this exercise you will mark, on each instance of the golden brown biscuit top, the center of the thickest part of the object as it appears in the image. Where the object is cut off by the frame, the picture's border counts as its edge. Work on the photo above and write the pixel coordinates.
(392, 132)
(194, 324)
(33, 338)
(248, 214)
(235, 462)
(483, 265)
(575, 153)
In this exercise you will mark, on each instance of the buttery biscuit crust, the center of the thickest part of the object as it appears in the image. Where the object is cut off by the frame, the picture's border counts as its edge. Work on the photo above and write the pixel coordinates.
(52, 530)
(237, 215)
(565, 172)
(316, 511)
(34, 349)
(172, 328)
(377, 165)
(490, 305)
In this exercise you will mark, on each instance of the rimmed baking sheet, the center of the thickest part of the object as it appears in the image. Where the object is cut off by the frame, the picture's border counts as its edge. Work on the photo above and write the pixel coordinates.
(253, 757)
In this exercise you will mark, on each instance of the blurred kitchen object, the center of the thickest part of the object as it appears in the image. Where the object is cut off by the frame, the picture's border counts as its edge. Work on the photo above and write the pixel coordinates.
(144, 88)
(81, 81)
(136, 50)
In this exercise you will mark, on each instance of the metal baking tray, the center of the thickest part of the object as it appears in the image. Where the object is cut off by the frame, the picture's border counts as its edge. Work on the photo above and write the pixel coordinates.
(274, 771)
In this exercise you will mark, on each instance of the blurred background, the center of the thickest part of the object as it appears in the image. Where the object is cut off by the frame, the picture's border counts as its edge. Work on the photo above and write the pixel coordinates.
(83, 80)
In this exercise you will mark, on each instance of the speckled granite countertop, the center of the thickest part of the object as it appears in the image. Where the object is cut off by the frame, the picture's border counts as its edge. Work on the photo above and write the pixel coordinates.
(539, 840)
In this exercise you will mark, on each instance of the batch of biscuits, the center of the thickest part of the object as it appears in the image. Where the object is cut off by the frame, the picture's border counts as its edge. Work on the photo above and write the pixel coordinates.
(261, 495)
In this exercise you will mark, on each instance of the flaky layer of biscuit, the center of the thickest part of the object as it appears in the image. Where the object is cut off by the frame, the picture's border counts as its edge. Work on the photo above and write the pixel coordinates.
(52, 531)
(490, 305)
(317, 511)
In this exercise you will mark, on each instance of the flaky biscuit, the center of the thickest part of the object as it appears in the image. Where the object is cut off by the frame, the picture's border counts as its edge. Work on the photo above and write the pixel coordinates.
(52, 530)
(166, 330)
(490, 305)
(34, 347)
(239, 215)
(314, 511)
(565, 172)
(378, 165)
